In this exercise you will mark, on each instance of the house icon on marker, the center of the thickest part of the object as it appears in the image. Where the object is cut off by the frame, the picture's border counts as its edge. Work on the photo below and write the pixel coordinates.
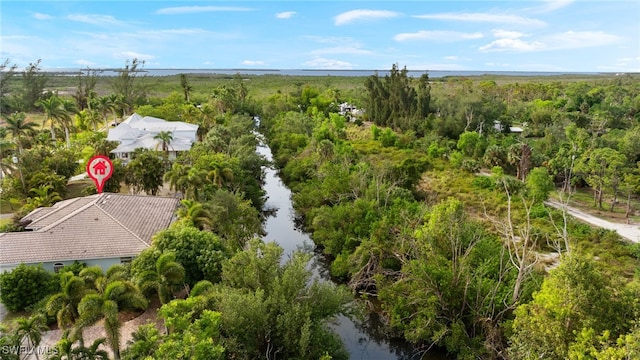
(100, 168)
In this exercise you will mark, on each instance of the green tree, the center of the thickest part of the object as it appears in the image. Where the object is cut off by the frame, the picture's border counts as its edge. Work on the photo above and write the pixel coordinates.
(33, 84)
(196, 213)
(19, 128)
(127, 85)
(30, 329)
(8, 71)
(143, 344)
(165, 138)
(602, 167)
(186, 87)
(64, 305)
(539, 184)
(164, 278)
(24, 286)
(144, 172)
(54, 112)
(200, 252)
(576, 295)
(117, 295)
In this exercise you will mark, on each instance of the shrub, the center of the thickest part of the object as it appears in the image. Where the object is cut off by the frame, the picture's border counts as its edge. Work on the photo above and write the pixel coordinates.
(25, 286)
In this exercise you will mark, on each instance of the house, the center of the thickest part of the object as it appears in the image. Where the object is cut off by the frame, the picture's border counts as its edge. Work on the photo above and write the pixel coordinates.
(102, 229)
(138, 132)
(349, 111)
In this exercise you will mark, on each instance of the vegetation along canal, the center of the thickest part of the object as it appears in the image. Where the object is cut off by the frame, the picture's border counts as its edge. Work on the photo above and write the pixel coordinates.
(363, 340)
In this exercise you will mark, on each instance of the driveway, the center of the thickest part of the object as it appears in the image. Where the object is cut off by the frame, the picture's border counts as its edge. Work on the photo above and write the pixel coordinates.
(631, 232)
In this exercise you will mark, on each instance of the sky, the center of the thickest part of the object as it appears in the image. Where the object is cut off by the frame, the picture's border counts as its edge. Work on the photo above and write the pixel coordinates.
(562, 35)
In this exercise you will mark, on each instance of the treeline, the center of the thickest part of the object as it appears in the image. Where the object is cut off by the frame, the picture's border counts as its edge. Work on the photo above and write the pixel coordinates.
(457, 260)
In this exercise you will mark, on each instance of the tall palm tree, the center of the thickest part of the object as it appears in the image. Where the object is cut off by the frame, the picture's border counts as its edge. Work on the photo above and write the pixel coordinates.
(53, 112)
(70, 108)
(19, 128)
(167, 274)
(105, 105)
(165, 138)
(117, 295)
(30, 329)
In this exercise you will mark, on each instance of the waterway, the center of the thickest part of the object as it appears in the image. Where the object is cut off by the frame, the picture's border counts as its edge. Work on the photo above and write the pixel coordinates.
(363, 339)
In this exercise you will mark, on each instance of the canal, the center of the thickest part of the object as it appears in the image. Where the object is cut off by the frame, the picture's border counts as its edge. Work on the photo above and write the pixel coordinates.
(363, 339)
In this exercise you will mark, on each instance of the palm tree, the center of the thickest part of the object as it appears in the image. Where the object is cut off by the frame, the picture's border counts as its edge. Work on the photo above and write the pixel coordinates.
(69, 107)
(64, 350)
(31, 329)
(117, 295)
(64, 305)
(43, 196)
(105, 105)
(53, 112)
(143, 343)
(196, 213)
(220, 174)
(195, 179)
(19, 128)
(177, 177)
(163, 278)
(165, 138)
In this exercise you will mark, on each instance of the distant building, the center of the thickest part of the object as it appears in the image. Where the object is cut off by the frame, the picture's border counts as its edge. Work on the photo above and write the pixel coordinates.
(349, 111)
(138, 132)
(497, 125)
(103, 229)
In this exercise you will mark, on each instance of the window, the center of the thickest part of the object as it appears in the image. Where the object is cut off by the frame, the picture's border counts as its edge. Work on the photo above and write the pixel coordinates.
(126, 260)
(57, 267)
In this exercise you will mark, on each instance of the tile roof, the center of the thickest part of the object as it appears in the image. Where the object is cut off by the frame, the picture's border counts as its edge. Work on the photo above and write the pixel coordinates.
(93, 227)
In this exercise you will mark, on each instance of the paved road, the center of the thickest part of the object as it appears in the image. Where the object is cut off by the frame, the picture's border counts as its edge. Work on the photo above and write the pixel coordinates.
(631, 232)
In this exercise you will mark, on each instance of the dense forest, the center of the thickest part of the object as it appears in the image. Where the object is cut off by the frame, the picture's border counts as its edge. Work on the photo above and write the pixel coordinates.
(441, 203)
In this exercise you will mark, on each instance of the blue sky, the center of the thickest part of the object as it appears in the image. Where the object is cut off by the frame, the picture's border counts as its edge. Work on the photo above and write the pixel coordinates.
(565, 35)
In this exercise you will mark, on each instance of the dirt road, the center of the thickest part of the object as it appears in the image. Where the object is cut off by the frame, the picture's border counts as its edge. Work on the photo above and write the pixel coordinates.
(631, 232)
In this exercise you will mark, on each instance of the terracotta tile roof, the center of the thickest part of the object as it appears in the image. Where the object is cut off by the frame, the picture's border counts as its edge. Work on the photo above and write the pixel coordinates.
(98, 226)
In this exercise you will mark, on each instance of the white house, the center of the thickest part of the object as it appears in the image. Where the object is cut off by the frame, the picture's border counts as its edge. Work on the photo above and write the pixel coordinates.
(102, 229)
(138, 132)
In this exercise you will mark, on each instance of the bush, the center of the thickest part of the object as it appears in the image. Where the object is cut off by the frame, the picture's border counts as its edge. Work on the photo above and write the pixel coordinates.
(483, 182)
(25, 286)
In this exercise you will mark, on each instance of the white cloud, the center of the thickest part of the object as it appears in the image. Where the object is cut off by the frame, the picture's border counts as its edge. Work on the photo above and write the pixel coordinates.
(552, 5)
(506, 34)
(363, 14)
(322, 63)
(451, 57)
(437, 35)
(41, 16)
(285, 15)
(484, 17)
(198, 9)
(581, 39)
(514, 45)
(511, 41)
(252, 62)
(134, 55)
(341, 50)
(95, 19)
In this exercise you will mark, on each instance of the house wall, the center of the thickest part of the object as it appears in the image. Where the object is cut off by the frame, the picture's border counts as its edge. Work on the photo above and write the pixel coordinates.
(105, 264)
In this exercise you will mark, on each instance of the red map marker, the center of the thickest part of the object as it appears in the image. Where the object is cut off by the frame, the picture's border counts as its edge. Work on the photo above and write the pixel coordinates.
(99, 169)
